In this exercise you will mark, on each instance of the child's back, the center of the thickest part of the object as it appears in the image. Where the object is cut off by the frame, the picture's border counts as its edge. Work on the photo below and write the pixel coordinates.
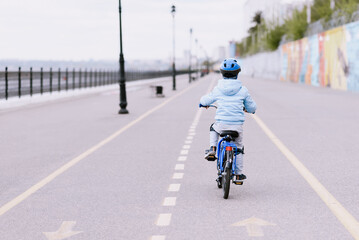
(231, 98)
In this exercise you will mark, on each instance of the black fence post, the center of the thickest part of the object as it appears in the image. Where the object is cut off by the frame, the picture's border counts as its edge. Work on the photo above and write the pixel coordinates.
(80, 78)
(103, 77)
(98, 77)
(50, 80)
(107, 77)
(41, 80)
(19, 82)
(67, 79)
(103, 81)
(31, 79)
(85, 77)
(73, 78)
(91, 78)
(6, 84)
(59, 80)
(95, 84)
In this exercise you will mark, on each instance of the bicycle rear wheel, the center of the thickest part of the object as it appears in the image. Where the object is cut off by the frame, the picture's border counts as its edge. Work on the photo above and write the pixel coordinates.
(226, 175)
(226, 181)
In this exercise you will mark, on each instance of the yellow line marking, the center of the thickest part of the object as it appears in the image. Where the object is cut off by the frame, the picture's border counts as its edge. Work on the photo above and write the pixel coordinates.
(83, 155)
(349, 222)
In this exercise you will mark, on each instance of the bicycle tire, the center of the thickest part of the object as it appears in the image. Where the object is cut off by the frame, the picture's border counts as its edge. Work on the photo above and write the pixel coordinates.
(226, 182)
(226, 176)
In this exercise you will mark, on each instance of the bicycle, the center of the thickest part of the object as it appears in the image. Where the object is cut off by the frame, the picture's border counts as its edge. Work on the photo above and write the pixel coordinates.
(226, 159)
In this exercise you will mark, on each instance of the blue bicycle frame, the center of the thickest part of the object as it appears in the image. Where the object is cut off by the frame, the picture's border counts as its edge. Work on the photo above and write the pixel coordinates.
(222, 144)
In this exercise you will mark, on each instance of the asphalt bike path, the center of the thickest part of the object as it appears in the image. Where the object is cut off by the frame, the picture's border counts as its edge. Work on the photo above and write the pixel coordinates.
(151, 181)
(43, 138)
(53, 133)
(274, 192)
(320, 127)
(279, 195)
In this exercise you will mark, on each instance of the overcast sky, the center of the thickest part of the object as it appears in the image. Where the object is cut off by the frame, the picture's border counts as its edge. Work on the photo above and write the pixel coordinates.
(89, 29)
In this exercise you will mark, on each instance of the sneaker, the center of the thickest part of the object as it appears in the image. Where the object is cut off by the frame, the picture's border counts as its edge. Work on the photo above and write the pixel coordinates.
(211, 154)
(240, 177)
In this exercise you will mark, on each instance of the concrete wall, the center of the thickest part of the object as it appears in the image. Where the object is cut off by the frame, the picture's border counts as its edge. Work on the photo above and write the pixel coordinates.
(264, 65)
(328, 59)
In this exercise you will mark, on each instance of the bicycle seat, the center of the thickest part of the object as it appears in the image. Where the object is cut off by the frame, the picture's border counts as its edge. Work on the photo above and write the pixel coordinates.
(233, 134)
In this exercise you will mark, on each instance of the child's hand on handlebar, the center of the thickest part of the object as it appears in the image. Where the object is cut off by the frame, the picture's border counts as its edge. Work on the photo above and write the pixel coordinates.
(206, 107)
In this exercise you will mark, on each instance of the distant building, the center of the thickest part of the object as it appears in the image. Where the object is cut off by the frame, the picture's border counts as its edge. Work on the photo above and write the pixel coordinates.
(220, 53)
(232, 49)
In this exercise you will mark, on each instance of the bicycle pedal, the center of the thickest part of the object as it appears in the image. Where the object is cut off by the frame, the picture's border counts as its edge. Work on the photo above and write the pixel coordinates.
(211, 158)
(238, 182)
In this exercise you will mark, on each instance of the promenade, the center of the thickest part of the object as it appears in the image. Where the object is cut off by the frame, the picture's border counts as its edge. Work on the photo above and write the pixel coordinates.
(73, 168)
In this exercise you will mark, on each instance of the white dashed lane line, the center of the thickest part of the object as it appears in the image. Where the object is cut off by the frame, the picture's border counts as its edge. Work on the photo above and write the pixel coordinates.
(164, 219)
(182, 158)
(158, 237)
(177, 176)
(184, 152)
(179, 167)
(169, 201)
(174, 187)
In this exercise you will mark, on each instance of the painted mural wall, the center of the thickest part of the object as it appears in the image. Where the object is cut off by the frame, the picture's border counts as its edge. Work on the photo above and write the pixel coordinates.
(329, 59)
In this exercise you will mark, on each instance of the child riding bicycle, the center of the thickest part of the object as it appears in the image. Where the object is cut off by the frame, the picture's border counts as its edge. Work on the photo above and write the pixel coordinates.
(233, 100)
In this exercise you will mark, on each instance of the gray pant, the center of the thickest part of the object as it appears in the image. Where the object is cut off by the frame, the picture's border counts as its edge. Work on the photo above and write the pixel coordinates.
(214, 136)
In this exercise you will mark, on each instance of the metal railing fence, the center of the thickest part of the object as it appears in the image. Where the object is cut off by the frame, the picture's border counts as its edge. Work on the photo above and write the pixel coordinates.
(19, 83)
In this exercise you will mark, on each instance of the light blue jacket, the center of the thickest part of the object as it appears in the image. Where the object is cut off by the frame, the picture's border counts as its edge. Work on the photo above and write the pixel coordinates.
(231, 97)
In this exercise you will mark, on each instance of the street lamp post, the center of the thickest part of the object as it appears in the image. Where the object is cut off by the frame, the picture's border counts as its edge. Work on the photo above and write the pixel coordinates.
(196, 40)
(123, 101)
(173, 11)
(190, 56)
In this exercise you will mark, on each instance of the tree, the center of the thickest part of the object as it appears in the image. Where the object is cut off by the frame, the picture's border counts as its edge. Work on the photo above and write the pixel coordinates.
(321, 10)
(274, 36)
(297, 25)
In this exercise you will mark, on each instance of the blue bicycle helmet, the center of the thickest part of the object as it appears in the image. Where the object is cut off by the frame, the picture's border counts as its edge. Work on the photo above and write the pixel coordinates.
(230, 68)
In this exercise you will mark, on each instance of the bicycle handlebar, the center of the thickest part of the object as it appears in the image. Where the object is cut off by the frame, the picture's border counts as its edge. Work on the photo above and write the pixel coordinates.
(200, 106)
(214, 106)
